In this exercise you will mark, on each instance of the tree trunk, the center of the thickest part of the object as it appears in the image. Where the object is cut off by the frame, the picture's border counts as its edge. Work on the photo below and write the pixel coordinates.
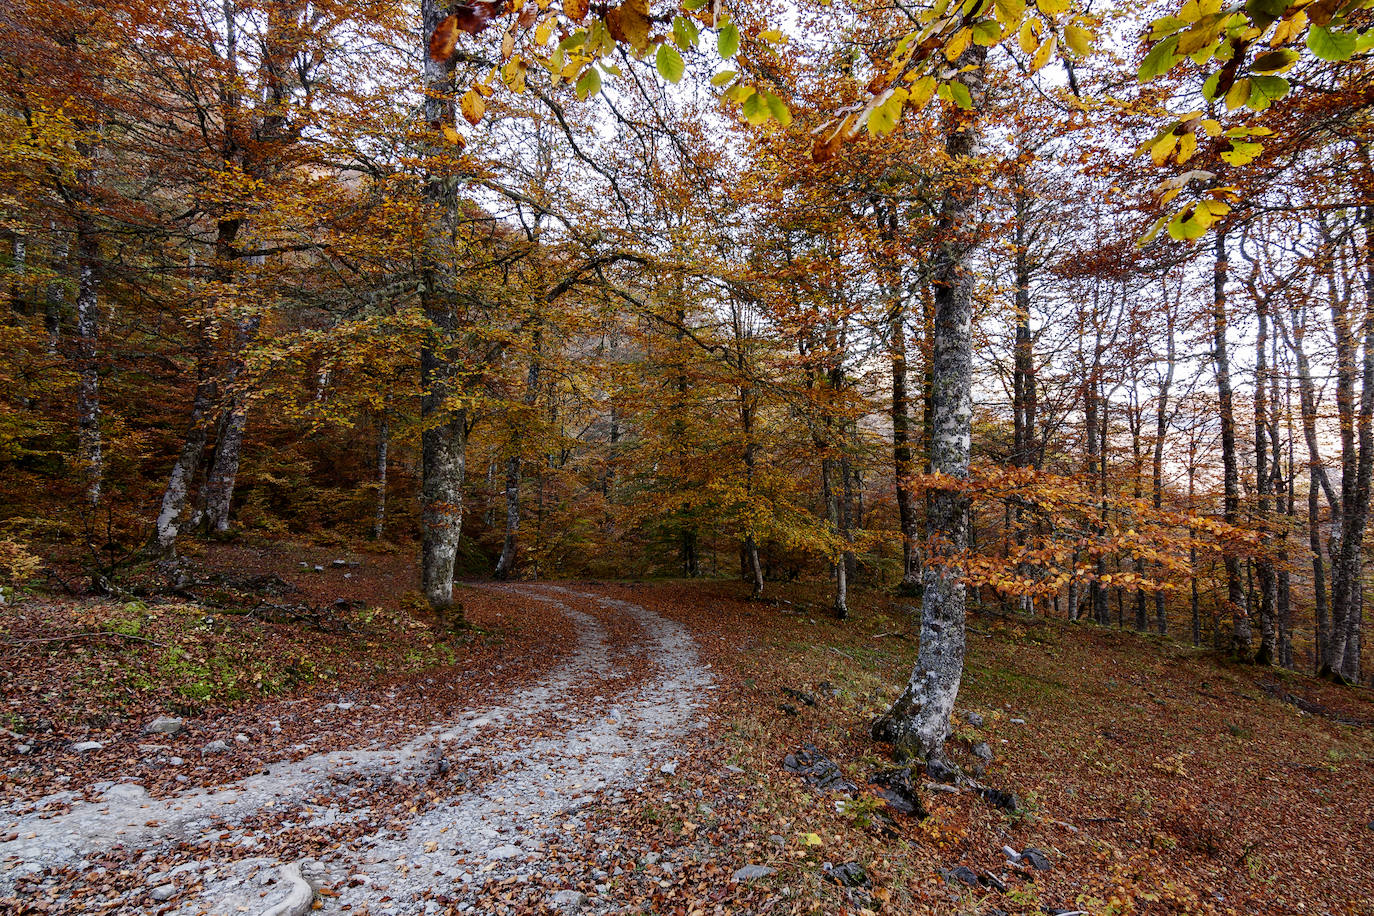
(167, 526)
(90, 445)
(443, 441)
(1264, 566)
(55, 296)
(1157, 463)
(224, 469)
(902, 464)
(918, 722)
(383, 447)
(1235, 592)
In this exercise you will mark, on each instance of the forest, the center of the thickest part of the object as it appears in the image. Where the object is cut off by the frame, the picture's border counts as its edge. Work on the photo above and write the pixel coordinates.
(354, 347)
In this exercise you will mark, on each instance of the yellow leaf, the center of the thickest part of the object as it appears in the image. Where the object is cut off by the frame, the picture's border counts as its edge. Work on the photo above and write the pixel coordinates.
(959, 43)
(1029, 38)
(1079, 39)
(811, 839)
(1187, 145)
(1042, 56)
(1239, 94)
(473, 106)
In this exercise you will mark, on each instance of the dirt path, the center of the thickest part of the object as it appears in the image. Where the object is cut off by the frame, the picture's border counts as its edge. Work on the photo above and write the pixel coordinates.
(476, 799)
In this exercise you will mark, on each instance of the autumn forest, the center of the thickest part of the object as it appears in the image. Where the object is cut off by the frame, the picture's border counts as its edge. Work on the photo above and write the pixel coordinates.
(337, 335)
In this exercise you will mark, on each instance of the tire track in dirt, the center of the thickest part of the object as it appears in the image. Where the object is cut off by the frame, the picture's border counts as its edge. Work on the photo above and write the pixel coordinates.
(612, 709)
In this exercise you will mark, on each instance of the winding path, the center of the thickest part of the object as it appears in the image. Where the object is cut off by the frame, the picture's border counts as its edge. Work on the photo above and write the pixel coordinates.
(544, 753)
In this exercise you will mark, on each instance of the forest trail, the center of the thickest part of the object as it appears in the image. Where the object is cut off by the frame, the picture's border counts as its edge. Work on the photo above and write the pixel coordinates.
(476, 799)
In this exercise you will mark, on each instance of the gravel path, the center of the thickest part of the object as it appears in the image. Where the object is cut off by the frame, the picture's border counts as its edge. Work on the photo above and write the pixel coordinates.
(611, 710)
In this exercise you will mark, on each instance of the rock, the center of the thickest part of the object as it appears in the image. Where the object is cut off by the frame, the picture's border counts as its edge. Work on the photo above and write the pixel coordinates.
(1035, 858)
(126, 792)
(1007, 801)
(806, 698)
(752, 872)
(504, 852)
(304, 565)
(241, 739)
(163, 892)
(214, 747)
(669, 768)
(569, 901)
(982, 752)
(165, 725)
(818, 770)
(993, 882)
(848, 874)
(777, 840)
(340, 564)
(828, 689)
(23, 749)
(897, 790)
(942, 771)
(975, 720)
(790, 709)
(651, 859)
(318, 568)
(82, 747)
(175, 761)
(1018, 721)
(964, 875)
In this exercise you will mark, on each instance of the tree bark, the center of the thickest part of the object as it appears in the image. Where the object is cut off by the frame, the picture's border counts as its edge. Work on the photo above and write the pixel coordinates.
(1267, 652)
(383, 449)
(918, 722)
(1235, 592)
(443, 440)
(224, 469)
(902, 465)
(172, 509)
(1157, 462)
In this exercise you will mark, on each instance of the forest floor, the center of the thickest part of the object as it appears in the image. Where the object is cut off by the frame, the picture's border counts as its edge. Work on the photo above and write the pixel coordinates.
(619, 747)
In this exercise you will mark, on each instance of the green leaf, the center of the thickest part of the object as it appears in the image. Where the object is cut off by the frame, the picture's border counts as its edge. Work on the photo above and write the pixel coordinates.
(1274, 61)
(1329, 45)
(685, 32)
(778, 109)
(669, 63)
(959, 95)
(1266, 89)
(589, 83)
(882, 119)
(987, 32)
(727, 40)
(1160, 60)
(755, 109)
(720, 79)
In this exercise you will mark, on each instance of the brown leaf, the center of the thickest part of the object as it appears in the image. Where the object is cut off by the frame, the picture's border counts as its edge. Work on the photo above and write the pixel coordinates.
(444, 39)
(629, 23)
(575, 9)
(466, 17)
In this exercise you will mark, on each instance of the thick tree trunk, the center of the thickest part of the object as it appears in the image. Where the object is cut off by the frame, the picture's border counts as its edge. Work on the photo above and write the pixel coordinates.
(1235, 592)
(443, 441)
(171, 511)
(918, 722)
(224, 469)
